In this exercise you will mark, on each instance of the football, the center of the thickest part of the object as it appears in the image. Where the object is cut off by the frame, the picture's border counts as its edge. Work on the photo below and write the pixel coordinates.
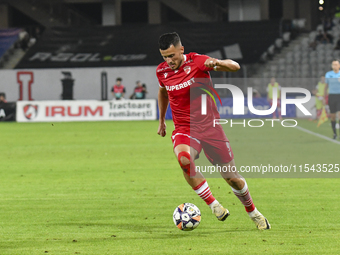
(187, 216)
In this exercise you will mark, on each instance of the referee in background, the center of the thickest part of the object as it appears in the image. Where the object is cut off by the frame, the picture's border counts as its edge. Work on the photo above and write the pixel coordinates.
(333, 88)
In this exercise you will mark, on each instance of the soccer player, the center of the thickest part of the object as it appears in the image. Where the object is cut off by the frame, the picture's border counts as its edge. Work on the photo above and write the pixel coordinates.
(333, 89)
(177, 76)
(271, 85)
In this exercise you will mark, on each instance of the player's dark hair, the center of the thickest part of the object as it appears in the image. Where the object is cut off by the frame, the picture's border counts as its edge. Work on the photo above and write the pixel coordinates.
(2, 94)
(336, 59)
(168, 39)
(119, 79)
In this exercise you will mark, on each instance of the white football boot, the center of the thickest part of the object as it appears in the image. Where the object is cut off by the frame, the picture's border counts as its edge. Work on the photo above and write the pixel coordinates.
(260, 221)
(220, 212)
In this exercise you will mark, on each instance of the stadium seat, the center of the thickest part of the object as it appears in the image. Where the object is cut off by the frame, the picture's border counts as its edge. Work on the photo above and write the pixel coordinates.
(312, 60)
(305, 61)
(319, 27)
(336, 21)
(336, 54)
(273, 68)
(304, 54)
(279, 43)
(328, 59)
(312, 36)
(271, 51)
(329, 46)
(320, 47)
(265, 75)
(264, 57)
(282, 61)
(286, 37)
(282, 68)
(312, 54)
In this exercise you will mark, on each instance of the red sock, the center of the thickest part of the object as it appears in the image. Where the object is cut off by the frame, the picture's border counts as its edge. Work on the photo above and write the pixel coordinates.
(245, 198)
(204, 192)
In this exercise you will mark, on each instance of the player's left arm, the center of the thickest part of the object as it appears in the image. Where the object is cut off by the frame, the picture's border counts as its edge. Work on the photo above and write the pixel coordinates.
(226, 65)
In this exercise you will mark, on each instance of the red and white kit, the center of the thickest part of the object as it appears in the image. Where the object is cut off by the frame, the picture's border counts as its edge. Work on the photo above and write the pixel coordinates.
(191, 127)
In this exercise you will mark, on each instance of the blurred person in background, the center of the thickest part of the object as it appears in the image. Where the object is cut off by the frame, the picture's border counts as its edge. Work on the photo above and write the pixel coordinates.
(332, 89)
(2, 97)
(118, 90)
(256, 93)
(139, 91)
(319, 93)
(273, 84)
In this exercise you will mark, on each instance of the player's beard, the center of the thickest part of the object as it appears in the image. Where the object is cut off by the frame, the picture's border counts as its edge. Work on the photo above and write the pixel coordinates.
(178, 66)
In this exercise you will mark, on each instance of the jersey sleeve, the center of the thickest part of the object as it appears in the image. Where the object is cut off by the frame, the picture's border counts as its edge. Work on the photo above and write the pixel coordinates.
(160, 83)
(199, 61)
(327, 78)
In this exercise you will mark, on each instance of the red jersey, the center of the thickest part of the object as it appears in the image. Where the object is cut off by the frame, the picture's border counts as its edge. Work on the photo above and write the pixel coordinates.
(139, 93)
(118, 90)
(185, 103)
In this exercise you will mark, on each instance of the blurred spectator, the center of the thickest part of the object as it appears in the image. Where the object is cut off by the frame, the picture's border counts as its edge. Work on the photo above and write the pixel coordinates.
(3, 97)
(327, 24)
(256, 93)
(270, 90)
(24, 40)
(139, 91)
(37, 32)
(118, 90)
(337, 45)
(319, 93)
(322, 37)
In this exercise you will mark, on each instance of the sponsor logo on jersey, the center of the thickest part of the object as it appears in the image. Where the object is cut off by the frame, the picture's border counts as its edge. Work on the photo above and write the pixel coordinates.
(162, 69)
(181, 85)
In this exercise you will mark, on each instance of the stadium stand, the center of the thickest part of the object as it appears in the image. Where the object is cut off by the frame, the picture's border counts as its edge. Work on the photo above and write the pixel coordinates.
(300, 60)
(8, 38)
(51, 13)
(136, 45)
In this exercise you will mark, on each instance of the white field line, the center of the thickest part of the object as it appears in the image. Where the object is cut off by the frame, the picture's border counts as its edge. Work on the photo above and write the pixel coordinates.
(318, 135)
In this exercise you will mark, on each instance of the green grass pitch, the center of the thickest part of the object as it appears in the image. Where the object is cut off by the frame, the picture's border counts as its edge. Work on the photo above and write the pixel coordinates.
(111, 188)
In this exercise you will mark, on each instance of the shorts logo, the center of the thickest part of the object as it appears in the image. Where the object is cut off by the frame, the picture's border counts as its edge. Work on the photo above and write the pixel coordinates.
(187, 69)
(30, 111)
(165, 75)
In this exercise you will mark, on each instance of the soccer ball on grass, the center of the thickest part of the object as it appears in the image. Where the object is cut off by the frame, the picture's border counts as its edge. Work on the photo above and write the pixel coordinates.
(187, 216)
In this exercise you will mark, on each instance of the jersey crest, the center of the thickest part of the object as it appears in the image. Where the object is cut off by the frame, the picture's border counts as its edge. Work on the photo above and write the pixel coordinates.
(187, 69)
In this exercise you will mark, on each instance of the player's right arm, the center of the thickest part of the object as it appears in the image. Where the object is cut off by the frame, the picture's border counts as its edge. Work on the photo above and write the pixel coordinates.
(163, 102)
(325, 93)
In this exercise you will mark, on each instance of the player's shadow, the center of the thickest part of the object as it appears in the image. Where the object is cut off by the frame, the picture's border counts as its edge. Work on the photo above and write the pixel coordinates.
(165, 233)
